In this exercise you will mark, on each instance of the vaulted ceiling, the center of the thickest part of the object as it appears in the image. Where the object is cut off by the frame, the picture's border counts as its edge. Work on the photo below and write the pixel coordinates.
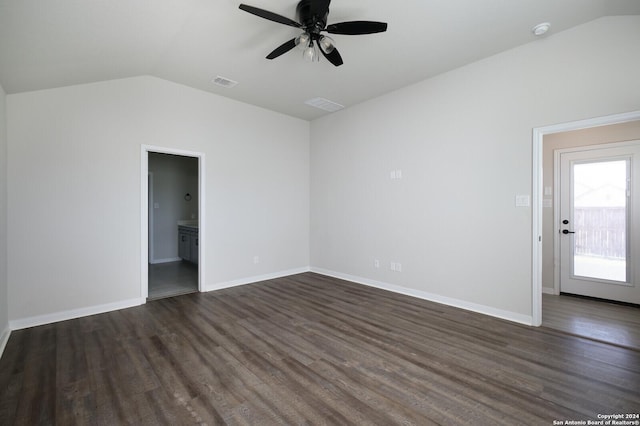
(53, 43)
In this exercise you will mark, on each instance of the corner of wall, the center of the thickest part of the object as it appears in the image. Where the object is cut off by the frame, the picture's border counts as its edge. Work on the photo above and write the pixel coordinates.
(4, 286)
(4, 338)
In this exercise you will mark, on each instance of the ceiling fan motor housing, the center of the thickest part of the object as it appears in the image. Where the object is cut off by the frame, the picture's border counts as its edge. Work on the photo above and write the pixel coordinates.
(312, 19)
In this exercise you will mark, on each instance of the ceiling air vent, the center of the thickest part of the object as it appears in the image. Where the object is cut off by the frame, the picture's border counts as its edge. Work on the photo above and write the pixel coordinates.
(324, 104)
(224, 82)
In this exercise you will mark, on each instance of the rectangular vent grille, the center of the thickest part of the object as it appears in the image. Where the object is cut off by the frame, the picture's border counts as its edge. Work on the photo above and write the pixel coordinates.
(324, 104)
(224, 82)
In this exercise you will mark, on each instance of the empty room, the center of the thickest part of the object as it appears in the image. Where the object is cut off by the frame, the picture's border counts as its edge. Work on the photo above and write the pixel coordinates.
(313, 212)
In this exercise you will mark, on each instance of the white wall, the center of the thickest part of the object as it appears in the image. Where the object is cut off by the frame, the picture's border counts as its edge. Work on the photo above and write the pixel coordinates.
(463, 141)
(4, 304)
(74, 189)
(173, 177)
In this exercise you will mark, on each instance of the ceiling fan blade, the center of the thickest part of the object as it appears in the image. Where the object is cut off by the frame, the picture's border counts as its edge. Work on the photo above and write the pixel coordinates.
(333, 57)
(282, 49)
(269, 15)
(357, 27)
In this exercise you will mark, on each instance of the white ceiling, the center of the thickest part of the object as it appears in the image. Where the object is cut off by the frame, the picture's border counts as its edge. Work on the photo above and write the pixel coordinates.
(53, 43)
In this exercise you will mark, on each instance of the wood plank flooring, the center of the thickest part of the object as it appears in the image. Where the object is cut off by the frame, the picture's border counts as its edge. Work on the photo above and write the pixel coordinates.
(308, 349)
(593, 319)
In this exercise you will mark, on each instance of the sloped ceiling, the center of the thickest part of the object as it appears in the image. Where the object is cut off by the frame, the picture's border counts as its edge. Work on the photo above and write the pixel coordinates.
(54, 43)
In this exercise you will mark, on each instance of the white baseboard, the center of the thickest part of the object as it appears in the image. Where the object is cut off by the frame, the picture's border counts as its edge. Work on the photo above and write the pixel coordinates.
(156, 261)
(4, 338)
(93, 310)
(73, 313)
(482, 309)
(549, 290)
(256, 278)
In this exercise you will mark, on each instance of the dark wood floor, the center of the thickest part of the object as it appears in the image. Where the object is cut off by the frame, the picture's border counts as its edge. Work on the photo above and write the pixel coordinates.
(593, 319)
(308, 349)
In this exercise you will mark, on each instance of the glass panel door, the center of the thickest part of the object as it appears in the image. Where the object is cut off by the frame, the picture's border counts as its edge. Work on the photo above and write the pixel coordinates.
(598, 224)
(600, 214)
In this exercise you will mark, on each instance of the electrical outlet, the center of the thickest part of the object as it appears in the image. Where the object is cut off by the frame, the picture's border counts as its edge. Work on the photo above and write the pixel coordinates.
(376, 263)
(256, 259)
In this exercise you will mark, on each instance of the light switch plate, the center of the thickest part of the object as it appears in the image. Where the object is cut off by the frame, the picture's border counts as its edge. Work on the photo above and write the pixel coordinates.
(522, 201)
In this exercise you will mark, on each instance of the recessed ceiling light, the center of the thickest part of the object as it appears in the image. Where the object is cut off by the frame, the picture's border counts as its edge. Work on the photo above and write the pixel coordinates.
(324, 104)
(224, 82)
(540, 29)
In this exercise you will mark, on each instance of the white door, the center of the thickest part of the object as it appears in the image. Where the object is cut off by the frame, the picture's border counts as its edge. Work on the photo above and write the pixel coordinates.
(599, 227)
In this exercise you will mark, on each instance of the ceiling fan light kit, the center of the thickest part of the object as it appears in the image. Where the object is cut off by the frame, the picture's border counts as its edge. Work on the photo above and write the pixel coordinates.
(311, 17)
(327, 44)
(311, 53)
(302, 41)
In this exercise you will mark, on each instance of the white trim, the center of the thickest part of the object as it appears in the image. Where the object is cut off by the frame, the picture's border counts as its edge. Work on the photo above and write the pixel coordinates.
(202, 223)
(556, 222)
(157, 261)
(257, 278)
(482, 309)
(144, 215)
(549, 290)
(536, 226)
(4, 338)
(73, 313)
(150, 225)
(536, 229)
(144, 222)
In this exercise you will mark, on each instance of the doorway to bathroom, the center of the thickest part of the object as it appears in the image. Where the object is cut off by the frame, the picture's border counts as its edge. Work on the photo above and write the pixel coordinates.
(172, 252)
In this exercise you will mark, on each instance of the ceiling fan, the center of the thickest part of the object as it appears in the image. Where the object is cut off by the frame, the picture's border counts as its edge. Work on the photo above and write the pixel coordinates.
(311, 17)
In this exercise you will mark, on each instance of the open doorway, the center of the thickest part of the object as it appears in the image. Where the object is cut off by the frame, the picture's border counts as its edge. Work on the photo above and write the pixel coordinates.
(173, 225)
(588, 318)
(172, 201)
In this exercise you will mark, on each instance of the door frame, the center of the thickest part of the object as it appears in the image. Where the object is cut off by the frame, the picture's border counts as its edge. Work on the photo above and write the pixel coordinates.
(144, 213)
(151, 255)
(537, 196)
